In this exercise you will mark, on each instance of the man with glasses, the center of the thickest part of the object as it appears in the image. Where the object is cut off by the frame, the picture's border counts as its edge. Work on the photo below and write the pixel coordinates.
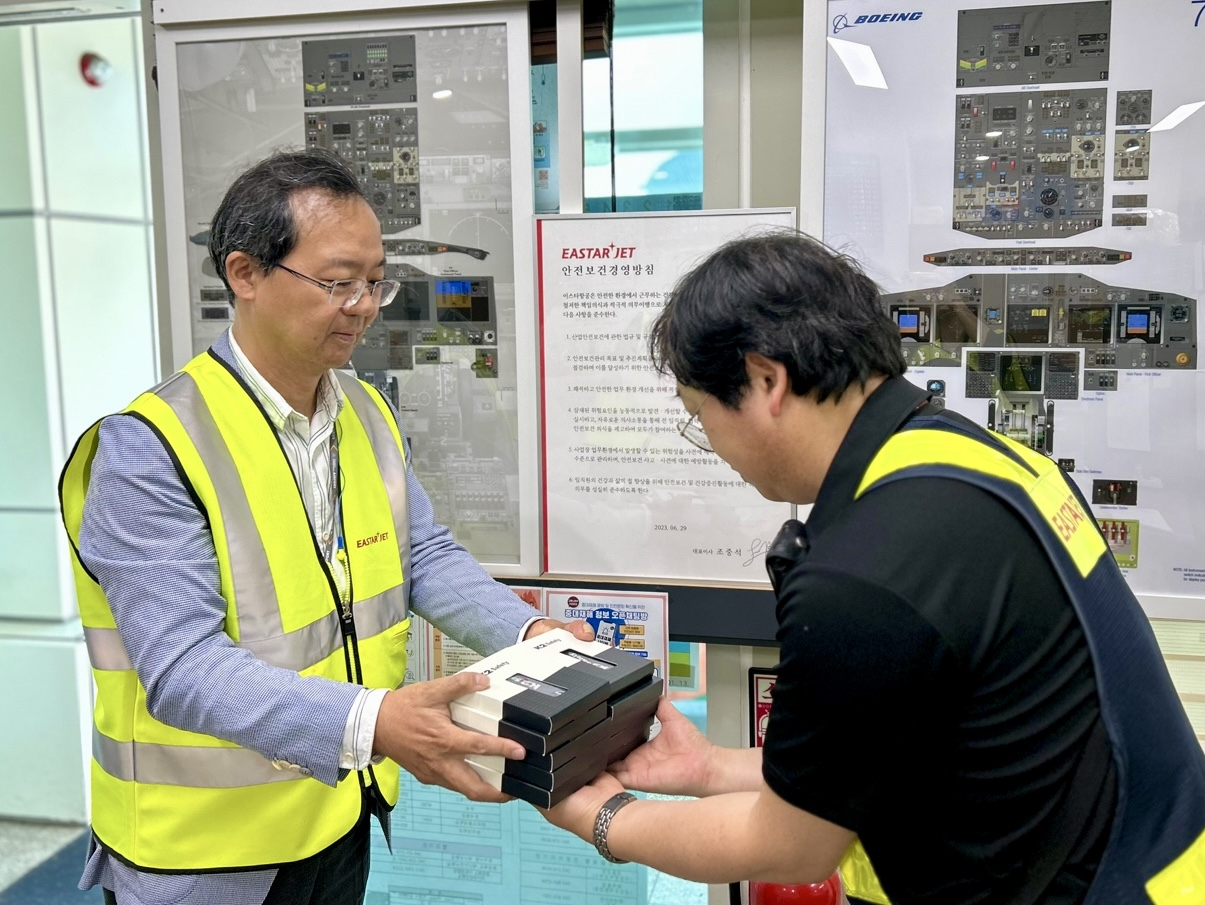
(966, 683)
(249, 540)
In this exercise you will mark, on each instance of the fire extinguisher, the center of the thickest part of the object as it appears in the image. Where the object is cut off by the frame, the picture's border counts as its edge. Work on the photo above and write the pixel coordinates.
(827, 893)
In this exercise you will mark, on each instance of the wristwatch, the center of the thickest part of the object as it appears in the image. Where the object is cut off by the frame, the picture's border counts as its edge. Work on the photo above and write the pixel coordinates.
(603, 822)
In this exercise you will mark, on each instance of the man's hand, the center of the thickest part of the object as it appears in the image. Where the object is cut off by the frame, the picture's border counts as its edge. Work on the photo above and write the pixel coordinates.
(677, 762)
(577, 812)
(415, 729)
(579, 627)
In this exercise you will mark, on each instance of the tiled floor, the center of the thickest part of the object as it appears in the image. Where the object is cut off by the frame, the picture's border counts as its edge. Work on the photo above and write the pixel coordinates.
(26, 845)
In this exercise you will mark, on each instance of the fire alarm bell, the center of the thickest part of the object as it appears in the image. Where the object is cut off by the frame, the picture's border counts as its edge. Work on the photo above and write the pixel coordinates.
(95, 69)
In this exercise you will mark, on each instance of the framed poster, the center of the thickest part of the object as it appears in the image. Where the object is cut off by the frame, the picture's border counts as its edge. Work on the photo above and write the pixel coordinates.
(427, 106)
(1021, 181)
(623, 493)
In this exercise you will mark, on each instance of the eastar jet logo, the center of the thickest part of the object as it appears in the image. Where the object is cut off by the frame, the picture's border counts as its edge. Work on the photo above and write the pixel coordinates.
(1068, 518)
(372, 539)
(840, 23)
(610, 252)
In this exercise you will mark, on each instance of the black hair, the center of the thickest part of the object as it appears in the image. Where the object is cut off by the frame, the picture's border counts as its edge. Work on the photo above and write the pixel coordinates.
(786, 296)
(256, 214)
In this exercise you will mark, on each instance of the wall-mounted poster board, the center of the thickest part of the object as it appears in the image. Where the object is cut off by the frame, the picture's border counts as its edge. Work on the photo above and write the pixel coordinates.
(1022, 182)
(624, 495)
(427, 105)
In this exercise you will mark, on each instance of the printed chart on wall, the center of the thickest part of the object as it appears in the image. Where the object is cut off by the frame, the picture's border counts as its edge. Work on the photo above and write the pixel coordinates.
(448, 850)
(1023, 182)
(624, 493)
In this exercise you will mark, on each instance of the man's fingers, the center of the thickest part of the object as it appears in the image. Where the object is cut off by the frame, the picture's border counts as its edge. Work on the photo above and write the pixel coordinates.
(464, 779)
(539, 627)
(479, 743)
(449, 688)
(581, 629)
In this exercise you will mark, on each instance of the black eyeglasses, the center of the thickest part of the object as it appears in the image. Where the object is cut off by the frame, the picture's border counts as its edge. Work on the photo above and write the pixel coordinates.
(346, 293)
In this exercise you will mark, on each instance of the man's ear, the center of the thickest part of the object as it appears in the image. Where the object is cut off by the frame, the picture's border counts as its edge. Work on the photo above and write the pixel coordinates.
(243, 274)
(768, 379)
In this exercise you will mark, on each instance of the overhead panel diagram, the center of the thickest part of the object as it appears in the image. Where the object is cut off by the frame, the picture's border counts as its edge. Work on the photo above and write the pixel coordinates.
(1033, 45)
(359, 75)
(1029, 164)
(1132, 155)
(1134, 108)
(359, 71)
(441, 349)
(1132, 150)
(1130, 210)
(1038, 245)
(382, 147)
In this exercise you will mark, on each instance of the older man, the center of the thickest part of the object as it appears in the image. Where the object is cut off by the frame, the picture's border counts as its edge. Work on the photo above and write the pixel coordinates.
(250, 540)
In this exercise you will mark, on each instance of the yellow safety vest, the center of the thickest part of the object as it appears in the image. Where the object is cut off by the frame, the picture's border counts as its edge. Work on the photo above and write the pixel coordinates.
(167, 799)
(858, 878)
(1156, 850)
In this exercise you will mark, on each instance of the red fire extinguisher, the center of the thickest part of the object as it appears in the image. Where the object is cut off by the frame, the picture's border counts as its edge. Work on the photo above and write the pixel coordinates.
(827, 893)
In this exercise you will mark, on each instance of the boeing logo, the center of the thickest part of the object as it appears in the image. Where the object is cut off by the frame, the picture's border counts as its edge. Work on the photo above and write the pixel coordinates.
(840, 23)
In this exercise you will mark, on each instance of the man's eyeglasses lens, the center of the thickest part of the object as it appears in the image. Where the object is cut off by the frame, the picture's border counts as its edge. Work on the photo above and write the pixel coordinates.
(346, 293)
(693, 431)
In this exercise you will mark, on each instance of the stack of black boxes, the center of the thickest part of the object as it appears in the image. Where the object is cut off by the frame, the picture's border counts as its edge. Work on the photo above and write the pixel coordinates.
(576, 706)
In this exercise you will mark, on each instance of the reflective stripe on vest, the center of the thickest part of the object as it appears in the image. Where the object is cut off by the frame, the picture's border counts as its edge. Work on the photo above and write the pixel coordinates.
(1030, 472)
(391, 464)
(170, 799)
(1157, 840)
(210, 768)
(297, 651)
(250, 572)
(106, 650)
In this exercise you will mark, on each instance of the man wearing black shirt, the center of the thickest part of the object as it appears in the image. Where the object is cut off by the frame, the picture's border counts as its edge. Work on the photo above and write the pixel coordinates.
(965, 702)
(966, 682)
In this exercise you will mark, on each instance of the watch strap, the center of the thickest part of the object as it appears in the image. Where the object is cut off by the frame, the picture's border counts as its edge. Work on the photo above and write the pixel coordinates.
(602, 823)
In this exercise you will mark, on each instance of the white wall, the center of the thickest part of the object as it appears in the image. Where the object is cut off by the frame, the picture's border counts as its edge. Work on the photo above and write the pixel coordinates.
(75, 229)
